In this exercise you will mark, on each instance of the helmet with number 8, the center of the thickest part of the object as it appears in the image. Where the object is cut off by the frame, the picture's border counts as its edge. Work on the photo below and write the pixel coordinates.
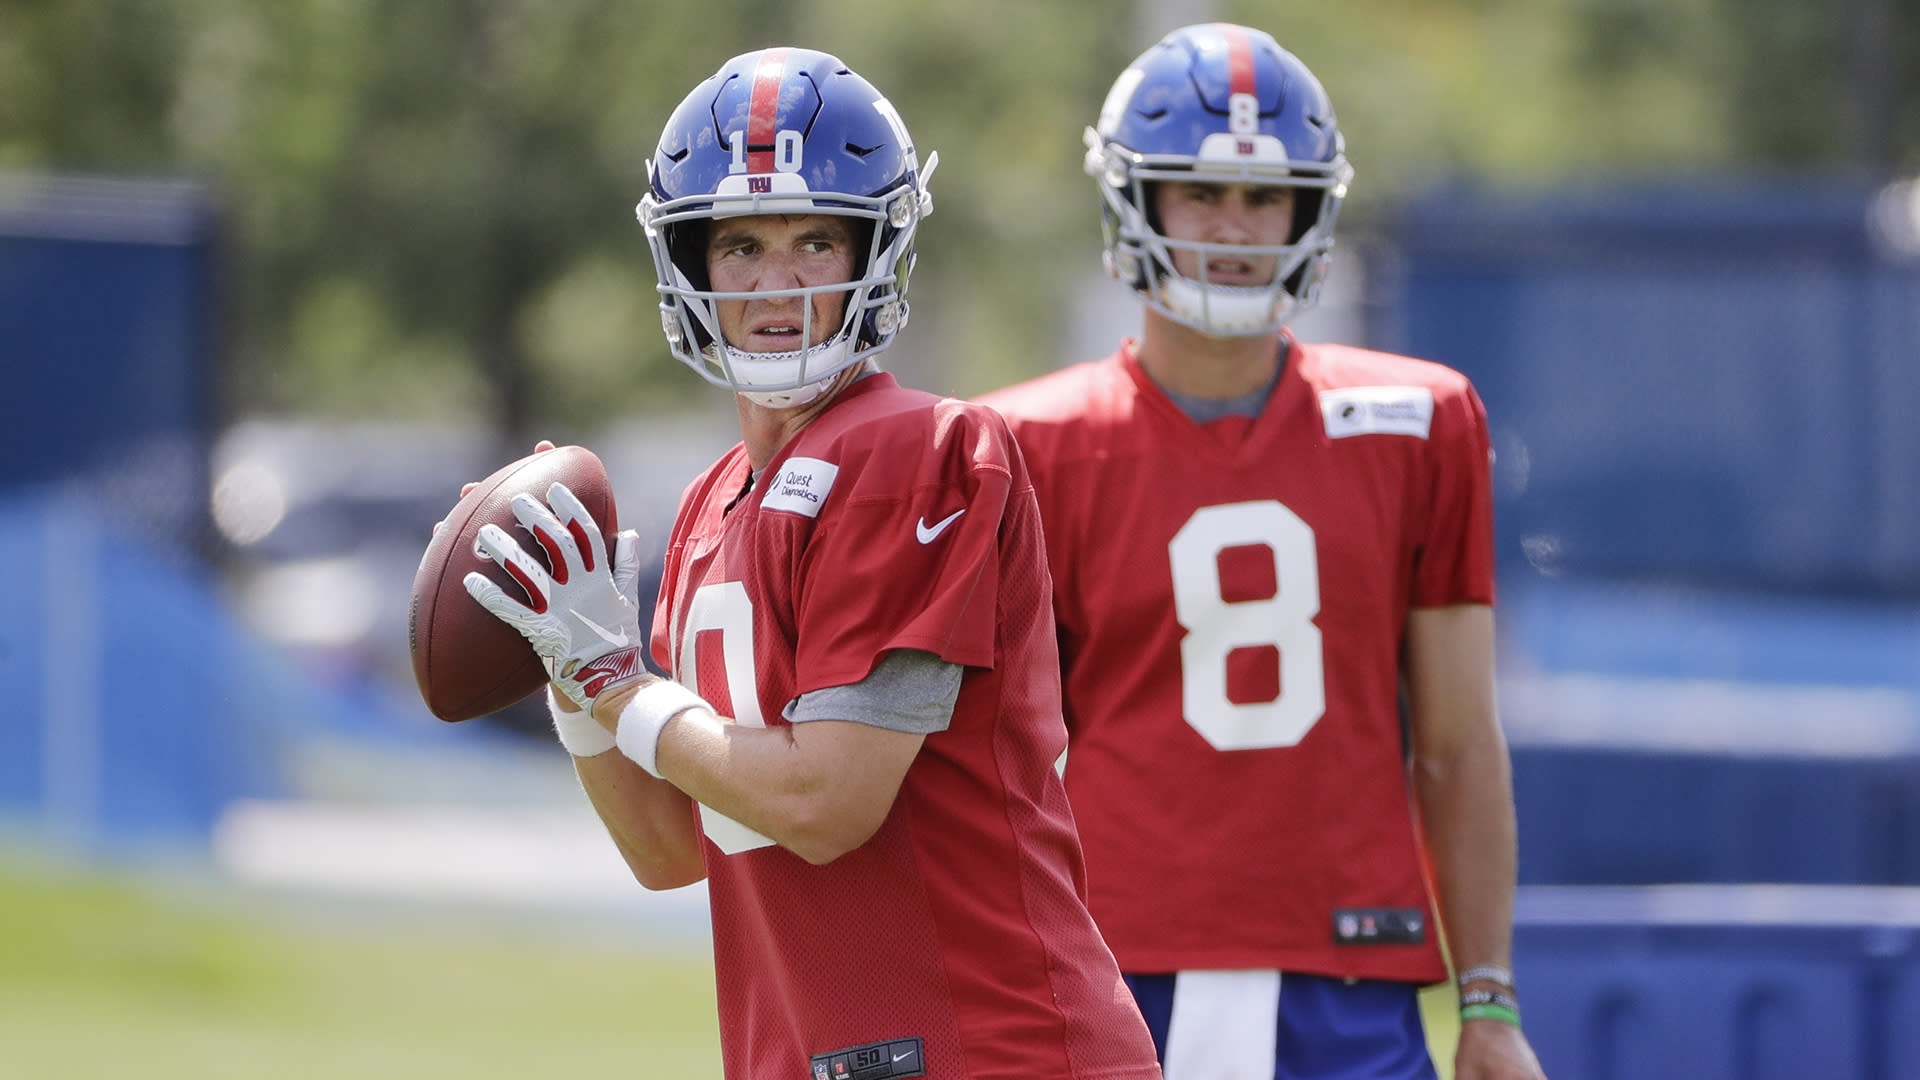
(784, 131)
(1218, 103)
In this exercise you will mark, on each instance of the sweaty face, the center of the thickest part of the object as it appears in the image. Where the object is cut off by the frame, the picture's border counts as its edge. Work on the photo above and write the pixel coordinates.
(768, 252)
(1226, 214)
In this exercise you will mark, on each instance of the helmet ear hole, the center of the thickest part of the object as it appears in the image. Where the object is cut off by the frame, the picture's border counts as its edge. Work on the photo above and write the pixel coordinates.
(868, 331)
(1150, 196)
(1137, 266)
(687, 247)
(1307, 204)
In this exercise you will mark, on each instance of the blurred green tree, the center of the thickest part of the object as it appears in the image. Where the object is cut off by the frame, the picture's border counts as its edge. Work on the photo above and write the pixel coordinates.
(430, 202)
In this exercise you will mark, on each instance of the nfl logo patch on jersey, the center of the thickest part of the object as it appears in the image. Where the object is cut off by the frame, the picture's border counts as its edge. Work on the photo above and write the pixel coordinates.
(1377, 410)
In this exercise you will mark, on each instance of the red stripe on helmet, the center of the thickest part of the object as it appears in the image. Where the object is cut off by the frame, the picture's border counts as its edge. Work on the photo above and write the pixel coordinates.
(763, 111)
(1239, 60)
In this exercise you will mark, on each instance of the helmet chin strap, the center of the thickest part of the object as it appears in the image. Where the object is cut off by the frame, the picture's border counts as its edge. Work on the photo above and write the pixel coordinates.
(1223, 309)
(788, 399)
(781, 367)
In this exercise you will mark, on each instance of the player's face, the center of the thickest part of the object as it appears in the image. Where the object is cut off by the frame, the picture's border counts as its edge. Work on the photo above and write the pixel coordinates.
(765, 252)
(1227, 214)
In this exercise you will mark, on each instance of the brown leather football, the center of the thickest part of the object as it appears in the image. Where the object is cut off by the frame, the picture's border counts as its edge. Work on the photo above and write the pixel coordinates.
(467, 662)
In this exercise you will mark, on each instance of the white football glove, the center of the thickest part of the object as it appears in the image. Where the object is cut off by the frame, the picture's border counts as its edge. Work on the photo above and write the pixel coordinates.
(582, 619)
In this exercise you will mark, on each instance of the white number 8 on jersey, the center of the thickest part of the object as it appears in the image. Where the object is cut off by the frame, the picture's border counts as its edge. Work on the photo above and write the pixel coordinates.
(1215, 627)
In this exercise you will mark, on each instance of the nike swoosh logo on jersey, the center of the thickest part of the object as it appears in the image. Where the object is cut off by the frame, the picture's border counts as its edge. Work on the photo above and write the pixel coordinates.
(927, 534)
(618, 641)
(898, 1058)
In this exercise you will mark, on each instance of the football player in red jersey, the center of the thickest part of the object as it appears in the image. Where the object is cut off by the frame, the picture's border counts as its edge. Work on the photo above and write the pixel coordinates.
(856, 748)
(1258, 547)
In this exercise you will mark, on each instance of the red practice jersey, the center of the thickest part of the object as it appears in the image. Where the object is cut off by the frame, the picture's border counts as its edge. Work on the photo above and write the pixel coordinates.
(1231, 601)
(957, 939)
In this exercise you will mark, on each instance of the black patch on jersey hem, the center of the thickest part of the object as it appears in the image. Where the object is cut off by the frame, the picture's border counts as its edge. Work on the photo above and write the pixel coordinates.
(1379, 926)
(874, 1061)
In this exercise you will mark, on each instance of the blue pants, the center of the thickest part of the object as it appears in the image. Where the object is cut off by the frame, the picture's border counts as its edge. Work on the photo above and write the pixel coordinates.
(1230, 1025)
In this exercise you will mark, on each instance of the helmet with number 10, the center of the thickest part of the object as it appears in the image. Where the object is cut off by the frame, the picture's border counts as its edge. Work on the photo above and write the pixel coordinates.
(1218, 103)
(784, 131)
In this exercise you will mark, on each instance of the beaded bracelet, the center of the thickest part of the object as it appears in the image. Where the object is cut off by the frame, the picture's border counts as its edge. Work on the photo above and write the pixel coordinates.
(1491, 1012)
(1492, 973)
(1488, 997)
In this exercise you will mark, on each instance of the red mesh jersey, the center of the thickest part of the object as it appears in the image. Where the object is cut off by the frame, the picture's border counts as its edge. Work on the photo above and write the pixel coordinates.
(1231, 599)
(897, 520)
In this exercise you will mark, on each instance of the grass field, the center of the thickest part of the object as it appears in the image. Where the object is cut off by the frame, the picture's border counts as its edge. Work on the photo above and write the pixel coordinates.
(115, 979)
(104, 978)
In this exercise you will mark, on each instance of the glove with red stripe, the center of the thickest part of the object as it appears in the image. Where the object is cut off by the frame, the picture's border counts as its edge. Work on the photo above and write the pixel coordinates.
(581, 618)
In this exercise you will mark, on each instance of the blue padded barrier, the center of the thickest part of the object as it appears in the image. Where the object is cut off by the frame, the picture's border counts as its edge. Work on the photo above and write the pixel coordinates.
(137, 709)
(1592, 816)
(1703, 382)
(1741, 983)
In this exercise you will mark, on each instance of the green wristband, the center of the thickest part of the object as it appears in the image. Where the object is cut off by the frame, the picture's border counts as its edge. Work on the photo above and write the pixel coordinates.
(1491, 1012)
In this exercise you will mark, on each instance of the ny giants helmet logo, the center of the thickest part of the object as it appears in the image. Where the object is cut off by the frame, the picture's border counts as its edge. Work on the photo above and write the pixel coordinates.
(760, 185)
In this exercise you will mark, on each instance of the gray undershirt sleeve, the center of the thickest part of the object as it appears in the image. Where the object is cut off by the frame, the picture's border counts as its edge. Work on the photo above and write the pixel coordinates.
(908, 690)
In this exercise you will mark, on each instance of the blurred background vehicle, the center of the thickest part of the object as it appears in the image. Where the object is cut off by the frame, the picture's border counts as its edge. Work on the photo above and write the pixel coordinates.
(275, 281)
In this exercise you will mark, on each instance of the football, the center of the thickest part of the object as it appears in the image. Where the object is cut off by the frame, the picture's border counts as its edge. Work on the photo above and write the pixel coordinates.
(467, 662)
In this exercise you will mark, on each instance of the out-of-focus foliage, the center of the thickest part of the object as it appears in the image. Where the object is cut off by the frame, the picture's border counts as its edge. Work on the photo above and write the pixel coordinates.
(1542, 91)
(430, 201)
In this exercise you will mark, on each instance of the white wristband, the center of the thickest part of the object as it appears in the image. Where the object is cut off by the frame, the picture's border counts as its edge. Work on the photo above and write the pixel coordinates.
(647, 713)
(579, 732)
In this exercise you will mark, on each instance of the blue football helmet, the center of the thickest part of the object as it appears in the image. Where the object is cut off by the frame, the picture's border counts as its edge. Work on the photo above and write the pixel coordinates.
(1218, 103)
(784, 131)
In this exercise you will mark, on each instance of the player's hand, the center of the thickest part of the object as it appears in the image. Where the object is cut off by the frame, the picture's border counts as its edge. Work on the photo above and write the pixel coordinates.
(580, 618)
(626, 565)
(1491, 1050)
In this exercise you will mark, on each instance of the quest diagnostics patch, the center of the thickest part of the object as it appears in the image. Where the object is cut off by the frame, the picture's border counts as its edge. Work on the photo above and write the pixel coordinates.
(1377, 410)
(802, 486)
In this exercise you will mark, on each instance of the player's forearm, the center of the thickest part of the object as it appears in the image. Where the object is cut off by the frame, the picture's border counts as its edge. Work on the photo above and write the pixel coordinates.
(1462, 778)
(650, 821)
(1467, 806)
(1466, 809)
(818, 789)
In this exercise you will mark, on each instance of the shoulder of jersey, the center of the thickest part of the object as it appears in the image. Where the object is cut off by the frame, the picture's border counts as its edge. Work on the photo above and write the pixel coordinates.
(1339, 367)
(1071, 394)
(897, 431)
